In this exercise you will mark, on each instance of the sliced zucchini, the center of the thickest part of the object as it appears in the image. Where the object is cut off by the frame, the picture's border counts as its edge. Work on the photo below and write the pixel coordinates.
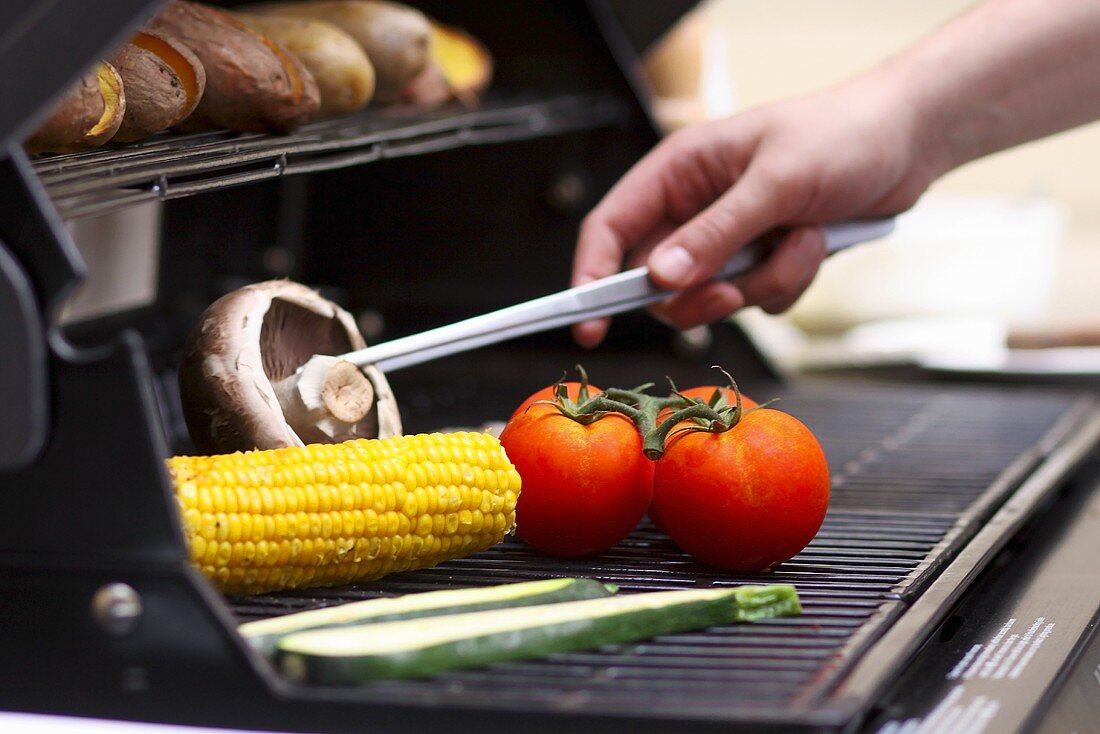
(422, 647)
(264, 633)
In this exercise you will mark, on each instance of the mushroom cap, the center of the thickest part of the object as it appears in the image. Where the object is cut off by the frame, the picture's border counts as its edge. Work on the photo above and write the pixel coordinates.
(254, 337)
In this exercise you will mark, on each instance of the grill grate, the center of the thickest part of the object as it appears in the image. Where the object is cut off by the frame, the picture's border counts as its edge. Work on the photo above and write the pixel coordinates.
(916, 471)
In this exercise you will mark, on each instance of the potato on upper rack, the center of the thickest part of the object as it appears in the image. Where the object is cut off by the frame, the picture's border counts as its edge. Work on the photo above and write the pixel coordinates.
(268, 67)
(88, 115)
(252, 83)
(163, 81)
(344, 73)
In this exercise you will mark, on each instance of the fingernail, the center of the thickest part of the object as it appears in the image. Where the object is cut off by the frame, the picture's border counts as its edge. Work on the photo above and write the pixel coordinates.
(672, 265)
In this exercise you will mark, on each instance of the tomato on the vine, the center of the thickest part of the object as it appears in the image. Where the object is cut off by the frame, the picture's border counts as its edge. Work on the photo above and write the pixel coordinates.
(550, 392)
(704, 393)
(585, 484)
(747, 498)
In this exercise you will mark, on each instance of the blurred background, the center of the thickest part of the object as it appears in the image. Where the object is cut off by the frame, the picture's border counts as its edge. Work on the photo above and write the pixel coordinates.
(1002, 252)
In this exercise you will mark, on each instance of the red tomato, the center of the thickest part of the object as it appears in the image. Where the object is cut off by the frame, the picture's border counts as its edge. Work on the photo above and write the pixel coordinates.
(550, 392)
(585, 487)
(745, 499)
(703, 392)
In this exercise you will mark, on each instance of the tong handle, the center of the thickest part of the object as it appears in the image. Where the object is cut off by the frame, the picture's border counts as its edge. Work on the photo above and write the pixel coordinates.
(625, 291)
(838, 236)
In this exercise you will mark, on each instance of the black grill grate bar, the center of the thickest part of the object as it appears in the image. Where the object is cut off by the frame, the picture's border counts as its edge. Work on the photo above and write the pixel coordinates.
(832, 592)
(850, 582)
(813, 614)
(965, 476)
(708, 646)
(950, 449)
(820, 556)
(828, 536)
(861, 517)
(903, 504)
(808, 563)
(838, 535)
(819, 601)
(876, 558)
(610, 669)
(838, 532)
(613, 696)
(956, 452)
(690, 679)
(904, 501)
(605, 565)
(782, 575)
(686, 579)
(760, 632)
(882, 517)
(962, 474)
(803, 622)
(642, 663)
(870, 549)
(932, 491)
(831, 588)
(831, 533)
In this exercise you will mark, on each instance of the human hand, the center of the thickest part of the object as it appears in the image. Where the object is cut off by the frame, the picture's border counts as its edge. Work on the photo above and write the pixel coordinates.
(706, 191)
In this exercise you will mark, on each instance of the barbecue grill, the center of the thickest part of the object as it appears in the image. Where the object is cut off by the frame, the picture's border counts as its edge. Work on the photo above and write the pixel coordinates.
(953, 585)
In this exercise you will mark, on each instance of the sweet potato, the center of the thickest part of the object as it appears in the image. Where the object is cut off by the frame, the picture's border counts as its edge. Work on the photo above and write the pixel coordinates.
(397, 38)
(252, 82)
(464, 61)
(164, 82)
(87, 116)
(344, 74)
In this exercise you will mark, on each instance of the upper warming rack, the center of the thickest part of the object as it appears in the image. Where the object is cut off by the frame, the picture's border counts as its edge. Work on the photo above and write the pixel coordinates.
(174, 166)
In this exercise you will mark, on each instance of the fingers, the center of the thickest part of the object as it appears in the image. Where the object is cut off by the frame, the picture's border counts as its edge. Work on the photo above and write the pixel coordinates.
(774, 285)
(625, 216)
(703, 304)
(778, 282)
(694, 252)
(589, 334)
(677, 179)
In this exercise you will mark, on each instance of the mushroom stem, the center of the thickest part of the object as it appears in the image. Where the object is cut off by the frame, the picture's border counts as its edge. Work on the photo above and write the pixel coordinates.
(326, 394)
(346, 392)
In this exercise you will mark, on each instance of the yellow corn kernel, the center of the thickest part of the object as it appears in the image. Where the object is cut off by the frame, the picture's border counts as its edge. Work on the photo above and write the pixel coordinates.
(332, 514)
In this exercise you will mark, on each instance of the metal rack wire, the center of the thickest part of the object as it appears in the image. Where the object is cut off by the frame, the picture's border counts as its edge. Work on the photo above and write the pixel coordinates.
(174, 166)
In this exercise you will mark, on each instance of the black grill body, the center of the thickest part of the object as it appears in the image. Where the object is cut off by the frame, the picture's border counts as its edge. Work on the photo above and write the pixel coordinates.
(414, 221)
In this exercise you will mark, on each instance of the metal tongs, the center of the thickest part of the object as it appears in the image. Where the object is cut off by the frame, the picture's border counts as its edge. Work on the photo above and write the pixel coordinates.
(625, 291)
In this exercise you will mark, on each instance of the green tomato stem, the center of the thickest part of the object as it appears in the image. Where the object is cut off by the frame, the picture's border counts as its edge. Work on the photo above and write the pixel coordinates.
(643, 410)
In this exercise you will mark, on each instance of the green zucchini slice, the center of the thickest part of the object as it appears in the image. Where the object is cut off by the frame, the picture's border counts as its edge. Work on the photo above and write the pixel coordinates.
(264, 633)
(423, 647)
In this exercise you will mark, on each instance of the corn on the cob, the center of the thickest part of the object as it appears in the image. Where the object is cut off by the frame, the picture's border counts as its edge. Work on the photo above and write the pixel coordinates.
(329, 514)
